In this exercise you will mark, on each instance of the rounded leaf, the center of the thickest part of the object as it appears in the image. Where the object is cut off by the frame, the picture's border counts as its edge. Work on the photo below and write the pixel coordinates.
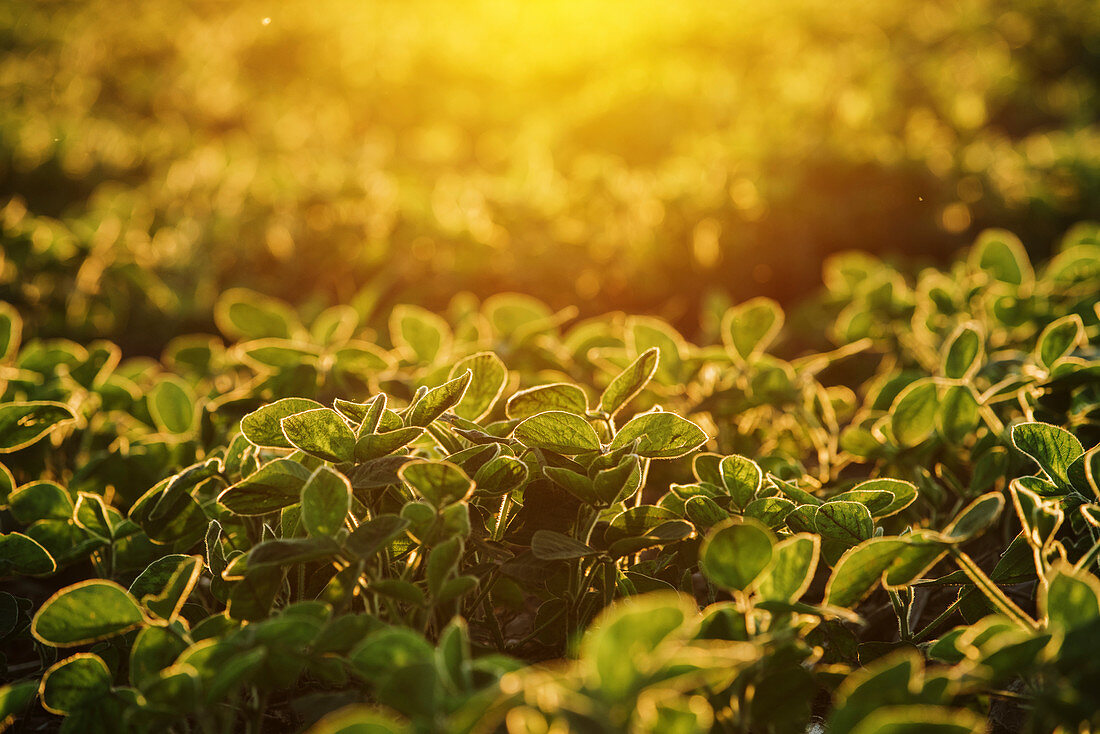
(558, 431)
(326, 500)
(74, 682)
(750, 327)
(263, 427)
(322, 433)
(439, 482)
(487, 383)
(913, 414)
(22, 424)
(662, 435)
(735, 554)
(86, 612)
(963, 357)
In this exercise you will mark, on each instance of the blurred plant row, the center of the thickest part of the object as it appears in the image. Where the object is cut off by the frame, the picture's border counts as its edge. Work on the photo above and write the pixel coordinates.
(500, 518)
(337, 150)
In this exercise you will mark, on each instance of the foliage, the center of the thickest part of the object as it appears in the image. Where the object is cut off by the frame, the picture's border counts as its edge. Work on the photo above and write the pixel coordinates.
(317, 524)
(659, 160)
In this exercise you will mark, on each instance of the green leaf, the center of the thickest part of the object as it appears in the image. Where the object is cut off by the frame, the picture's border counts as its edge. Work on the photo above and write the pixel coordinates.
(1002, 256)
(553, 546)
(663, 435)
(487, 383)
(794, 492)
(1059, 339)
(440, 482)
(402, 591)
(861, 568)
(645, 332)
(792, 570)
(436, 401)
(368, 416)
(91, 513)
(288, 551)
(913, 413)
(21, 424)
(630, 381)
(749, 328)
(501, 474)
(706, 468)
(374, 445)
(7, 484)
(360, 360)
(172, 405)
(275, 485)
(848, 522)
(221, 666)
(263, 427)
(358, 719)
(154, 649)
(322, 433)
(86, 612)
(1054, 449)
(326, 501)
(558, 396)
(957, 414)
(635, 522)
(375, 534)
(15, 698)
(423, 336)
(734, 555)
(244, 314)
(74, 683)
(558, 431)
(281, 354)
(173, 596)
(442, 560)
(1070, 598)
(169, 516)
(11, 332)
(43, 500)
(576, 484)
(704, 512)
(157, 575)
(875, 500)
(905, 493)
(975, 517)
(921, 719)
(770, 511)
(741, 477)
(628, 639)
(964, 352)
(24, 555)
(618, 482)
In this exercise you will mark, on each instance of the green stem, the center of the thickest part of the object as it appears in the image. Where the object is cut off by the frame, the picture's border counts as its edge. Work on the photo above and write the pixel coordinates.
(901, 609)
(992, 592)
(925, 633)
(641, 484)
(1089, 558)
(987, 413)
(502, 518)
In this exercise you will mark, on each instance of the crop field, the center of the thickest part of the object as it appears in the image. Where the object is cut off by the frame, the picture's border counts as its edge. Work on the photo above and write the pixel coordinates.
(374, 367)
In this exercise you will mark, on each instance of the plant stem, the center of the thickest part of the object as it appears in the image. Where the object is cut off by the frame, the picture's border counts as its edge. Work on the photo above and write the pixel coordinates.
(901, 609)
(993, 592)
(502, 518)
(925, 633)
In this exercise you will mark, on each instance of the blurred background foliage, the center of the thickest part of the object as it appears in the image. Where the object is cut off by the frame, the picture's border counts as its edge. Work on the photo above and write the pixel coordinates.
(650, 157)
